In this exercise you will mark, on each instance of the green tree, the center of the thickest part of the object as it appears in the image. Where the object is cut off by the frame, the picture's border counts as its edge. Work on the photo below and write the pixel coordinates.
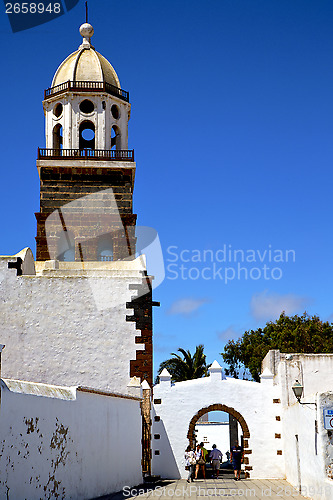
(186, 367)
(298, 334)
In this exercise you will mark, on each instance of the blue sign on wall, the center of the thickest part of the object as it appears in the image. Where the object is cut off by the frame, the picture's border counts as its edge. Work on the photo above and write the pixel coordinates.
(328, 418)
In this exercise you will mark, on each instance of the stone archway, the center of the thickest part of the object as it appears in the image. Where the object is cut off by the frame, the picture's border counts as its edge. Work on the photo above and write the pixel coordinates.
(240, 419)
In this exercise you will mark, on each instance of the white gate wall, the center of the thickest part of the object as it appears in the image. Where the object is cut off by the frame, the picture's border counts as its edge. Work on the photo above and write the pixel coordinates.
(255, 402)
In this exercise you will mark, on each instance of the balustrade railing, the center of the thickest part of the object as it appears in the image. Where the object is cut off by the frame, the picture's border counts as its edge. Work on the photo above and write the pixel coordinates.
(87, 86)
(86, 154)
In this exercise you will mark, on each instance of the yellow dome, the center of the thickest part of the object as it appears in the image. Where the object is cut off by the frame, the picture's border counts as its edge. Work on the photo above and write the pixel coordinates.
(86, 64)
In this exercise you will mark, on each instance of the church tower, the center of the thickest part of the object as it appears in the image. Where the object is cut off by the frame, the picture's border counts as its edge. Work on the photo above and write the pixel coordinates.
(86, 170)
(81, 314)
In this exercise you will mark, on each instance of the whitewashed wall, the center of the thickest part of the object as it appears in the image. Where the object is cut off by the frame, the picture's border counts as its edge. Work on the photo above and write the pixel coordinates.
(215, 433)
(58, 442)
(181, 401)
(308, 467)
(56, 332)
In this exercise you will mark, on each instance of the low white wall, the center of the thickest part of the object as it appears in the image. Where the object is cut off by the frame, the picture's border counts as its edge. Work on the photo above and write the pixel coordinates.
(65, 443)
(181, 401)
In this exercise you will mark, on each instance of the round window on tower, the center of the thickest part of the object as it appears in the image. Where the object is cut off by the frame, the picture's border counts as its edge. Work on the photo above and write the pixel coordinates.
(115, 111)
(87, 106)
(57, 110)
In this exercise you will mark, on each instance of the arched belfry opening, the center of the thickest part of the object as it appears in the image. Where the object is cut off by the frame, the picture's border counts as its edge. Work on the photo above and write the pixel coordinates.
(115, 137)
(66, 247)
(57, 136)
(233, 413)
(105, 248)
(87, 135)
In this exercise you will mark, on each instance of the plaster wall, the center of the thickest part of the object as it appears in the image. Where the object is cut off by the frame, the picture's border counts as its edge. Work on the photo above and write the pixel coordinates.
(181, 401)
(215, 433)
(308, 467)
(66, 444)
(307, 446)
(69, 327)
(313, 371)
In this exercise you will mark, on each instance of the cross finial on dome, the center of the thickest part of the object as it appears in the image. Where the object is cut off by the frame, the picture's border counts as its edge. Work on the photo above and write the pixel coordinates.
(86, 31)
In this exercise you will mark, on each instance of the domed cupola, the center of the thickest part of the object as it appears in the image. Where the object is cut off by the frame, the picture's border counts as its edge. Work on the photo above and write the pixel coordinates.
(85, 108)
(86, 64)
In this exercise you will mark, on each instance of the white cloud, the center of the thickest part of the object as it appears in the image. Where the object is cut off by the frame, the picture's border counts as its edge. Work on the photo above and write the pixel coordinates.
(269, 306)
(329, 318)
(229, 333)
(186, 306)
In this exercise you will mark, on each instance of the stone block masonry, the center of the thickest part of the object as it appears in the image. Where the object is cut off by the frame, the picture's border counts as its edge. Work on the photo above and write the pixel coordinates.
(60, 185)
(96, 213)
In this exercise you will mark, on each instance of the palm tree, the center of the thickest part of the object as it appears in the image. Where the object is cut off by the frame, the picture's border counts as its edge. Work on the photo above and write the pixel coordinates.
(187, 367)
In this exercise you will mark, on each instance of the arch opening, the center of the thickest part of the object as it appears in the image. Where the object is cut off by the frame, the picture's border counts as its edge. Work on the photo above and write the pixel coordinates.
(115, 137)
(57, 136)
(105, 248)
(66, 247)
(237, 416)
(87, 135)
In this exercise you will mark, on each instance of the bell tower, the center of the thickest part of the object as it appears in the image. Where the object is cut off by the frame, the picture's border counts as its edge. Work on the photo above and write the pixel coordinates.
(86, 170)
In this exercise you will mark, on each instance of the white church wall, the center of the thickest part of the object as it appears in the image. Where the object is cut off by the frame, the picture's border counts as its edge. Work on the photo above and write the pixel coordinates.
(63, 328)
(181, 401)
(61, 442)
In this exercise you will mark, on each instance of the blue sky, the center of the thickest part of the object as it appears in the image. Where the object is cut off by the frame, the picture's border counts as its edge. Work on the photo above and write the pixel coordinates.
(232, 129)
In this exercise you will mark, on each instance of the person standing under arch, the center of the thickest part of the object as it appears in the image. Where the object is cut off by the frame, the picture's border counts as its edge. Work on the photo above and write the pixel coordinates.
(236, 457)
(190, 462)
(216, 456)
(200, 462)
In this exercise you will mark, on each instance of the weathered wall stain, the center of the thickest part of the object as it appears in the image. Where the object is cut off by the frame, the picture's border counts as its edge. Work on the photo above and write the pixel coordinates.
(31, 426)
(59, 442)
(20, 443)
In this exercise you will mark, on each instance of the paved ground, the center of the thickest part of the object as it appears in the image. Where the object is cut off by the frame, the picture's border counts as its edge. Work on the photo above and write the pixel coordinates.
(210, 488)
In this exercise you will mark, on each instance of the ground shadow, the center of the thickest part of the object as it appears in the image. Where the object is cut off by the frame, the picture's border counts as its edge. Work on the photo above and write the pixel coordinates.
(135, 490)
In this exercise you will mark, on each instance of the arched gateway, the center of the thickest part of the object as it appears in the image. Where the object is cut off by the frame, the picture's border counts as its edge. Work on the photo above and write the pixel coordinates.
(256, 406)
(238, 417)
